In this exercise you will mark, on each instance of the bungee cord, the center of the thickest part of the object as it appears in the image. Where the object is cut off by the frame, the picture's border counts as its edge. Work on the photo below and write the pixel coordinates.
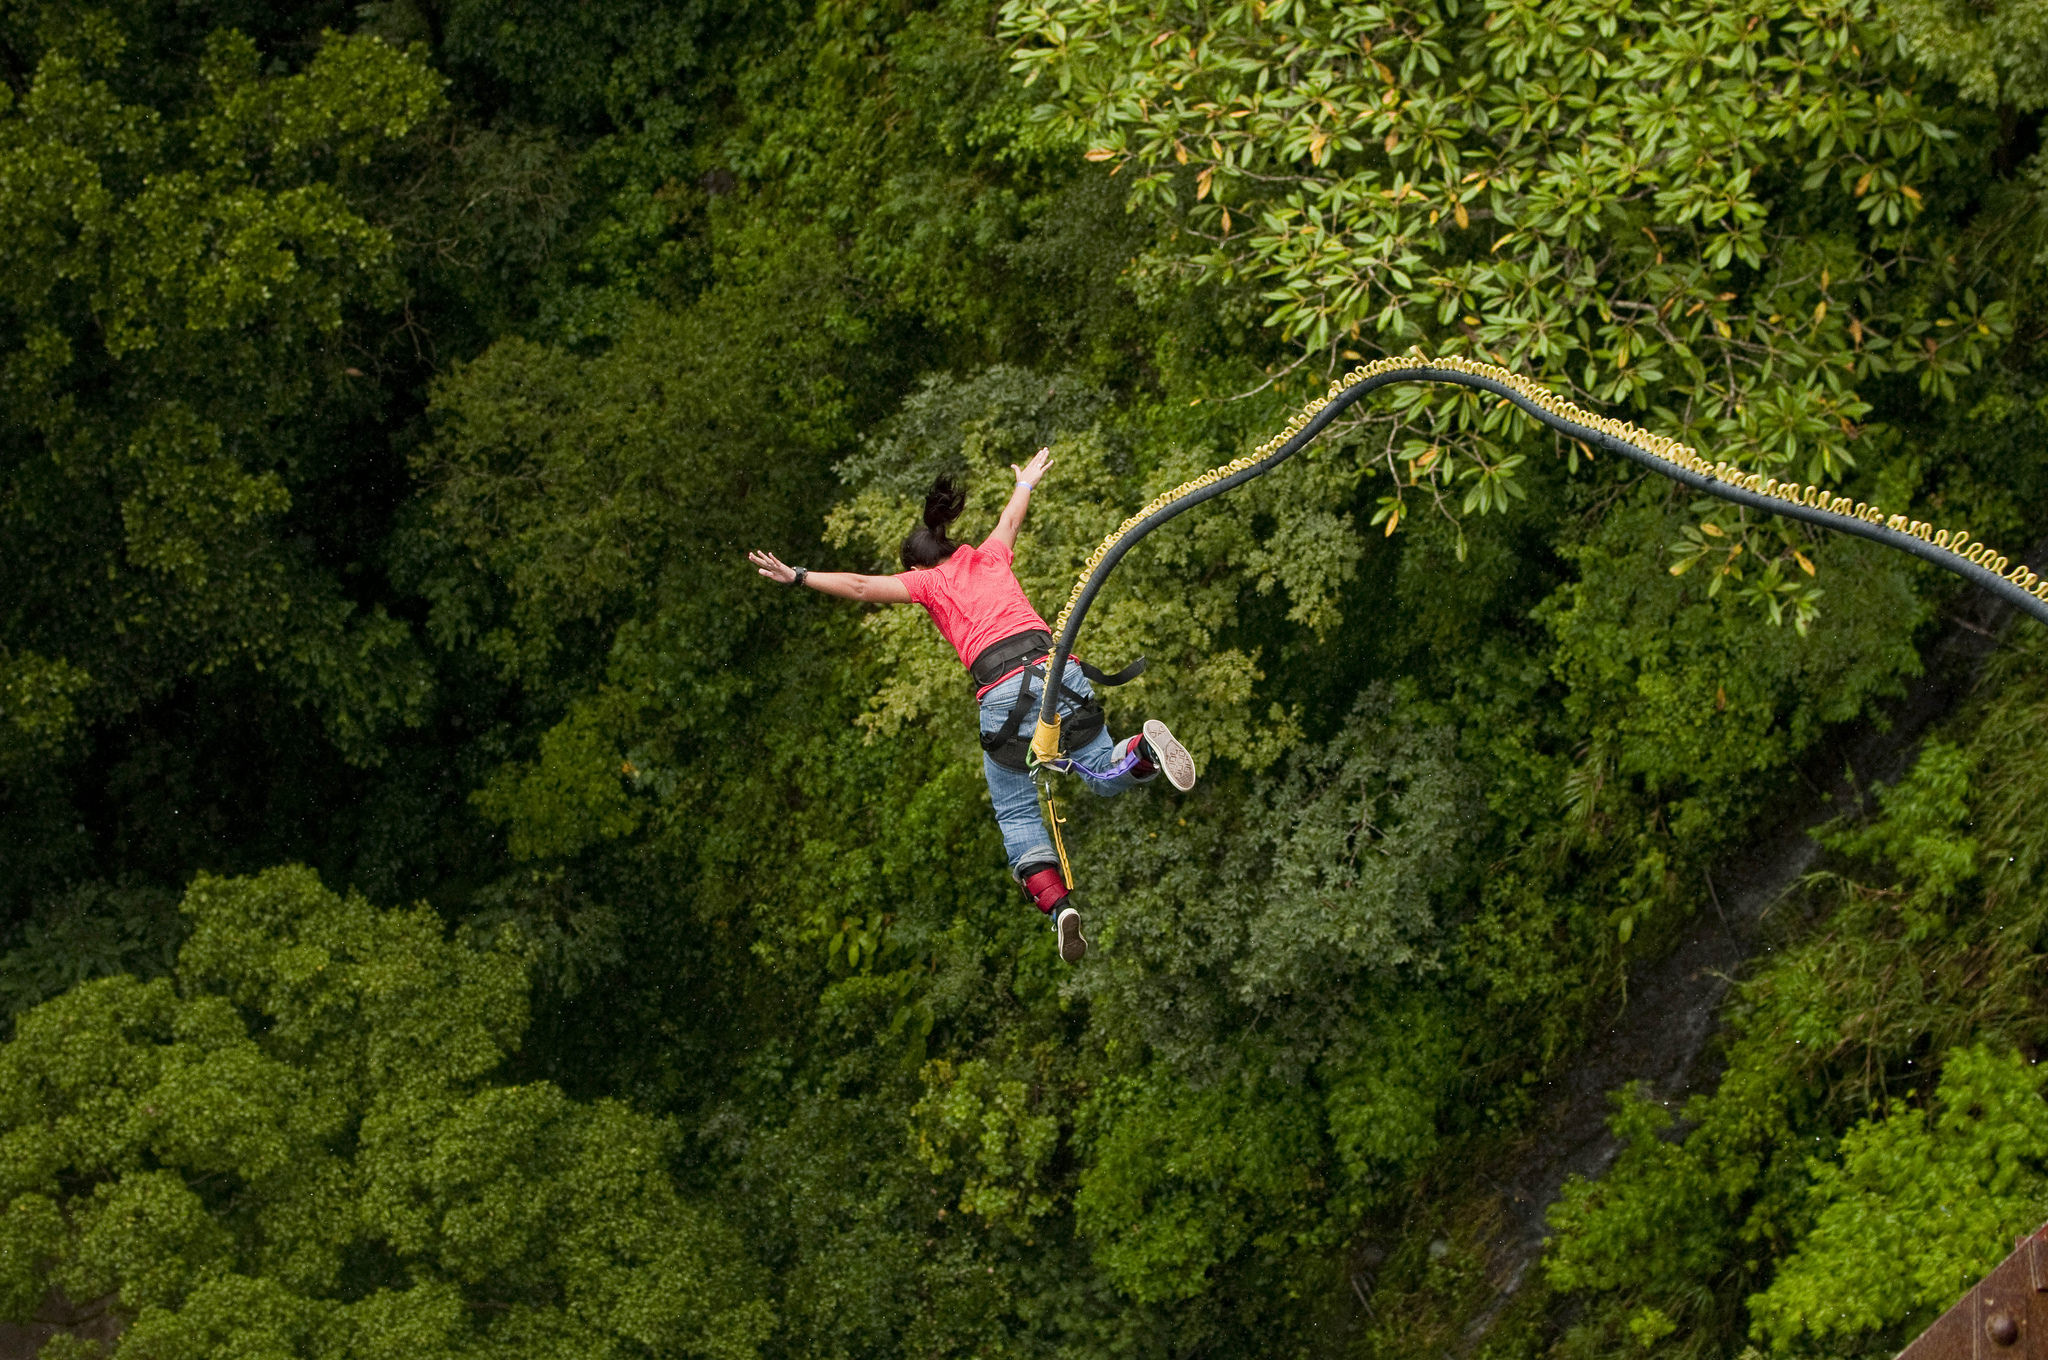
(1953, 551)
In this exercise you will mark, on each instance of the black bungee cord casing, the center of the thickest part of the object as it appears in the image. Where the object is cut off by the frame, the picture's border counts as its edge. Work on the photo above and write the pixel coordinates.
(2019, 586)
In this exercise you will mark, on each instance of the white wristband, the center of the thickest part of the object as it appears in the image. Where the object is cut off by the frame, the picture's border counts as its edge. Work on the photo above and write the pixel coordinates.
(1027, 484)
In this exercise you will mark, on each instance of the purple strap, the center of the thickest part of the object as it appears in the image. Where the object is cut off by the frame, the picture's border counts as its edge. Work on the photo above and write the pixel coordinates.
(1129, 761)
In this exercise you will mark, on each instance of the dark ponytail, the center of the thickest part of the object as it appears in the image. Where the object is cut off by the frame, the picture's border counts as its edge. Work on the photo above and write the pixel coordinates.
(928, 545)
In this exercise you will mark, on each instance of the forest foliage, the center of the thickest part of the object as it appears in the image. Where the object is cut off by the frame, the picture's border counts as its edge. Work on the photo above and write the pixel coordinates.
(451, 905)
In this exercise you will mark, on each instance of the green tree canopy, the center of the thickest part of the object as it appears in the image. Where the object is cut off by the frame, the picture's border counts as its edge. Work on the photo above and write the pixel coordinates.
(178, 263)
(1713, 214)
(303, 1142)
(393, 389)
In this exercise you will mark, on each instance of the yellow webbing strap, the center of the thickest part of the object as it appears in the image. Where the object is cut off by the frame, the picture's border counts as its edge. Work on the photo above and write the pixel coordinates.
(1045, 741)
(1055, 821)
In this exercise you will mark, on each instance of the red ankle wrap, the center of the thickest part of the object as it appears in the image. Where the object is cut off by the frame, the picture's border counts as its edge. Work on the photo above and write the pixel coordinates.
(1047, 889)
(1144, 769)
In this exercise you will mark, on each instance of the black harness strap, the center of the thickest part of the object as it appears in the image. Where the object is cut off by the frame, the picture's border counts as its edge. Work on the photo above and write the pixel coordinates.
(1122, 677)
(1008, 746)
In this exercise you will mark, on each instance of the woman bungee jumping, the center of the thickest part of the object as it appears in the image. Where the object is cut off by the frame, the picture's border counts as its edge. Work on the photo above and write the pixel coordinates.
(973, 596)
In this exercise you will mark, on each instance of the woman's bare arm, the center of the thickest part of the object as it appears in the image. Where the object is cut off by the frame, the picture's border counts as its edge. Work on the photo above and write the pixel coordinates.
(847, 585)
(1020, 500)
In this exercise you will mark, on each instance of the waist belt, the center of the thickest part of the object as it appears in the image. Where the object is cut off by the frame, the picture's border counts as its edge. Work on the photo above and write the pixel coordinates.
(999, 658)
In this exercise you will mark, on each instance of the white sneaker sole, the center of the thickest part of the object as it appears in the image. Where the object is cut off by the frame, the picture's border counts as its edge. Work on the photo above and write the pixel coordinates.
(1174, 761)
(1072, 947)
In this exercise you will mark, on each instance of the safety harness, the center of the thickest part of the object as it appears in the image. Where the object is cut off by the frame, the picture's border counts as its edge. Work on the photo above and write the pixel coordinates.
(1007, 746)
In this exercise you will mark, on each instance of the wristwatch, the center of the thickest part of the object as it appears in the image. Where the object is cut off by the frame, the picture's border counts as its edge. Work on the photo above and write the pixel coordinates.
(798, 579)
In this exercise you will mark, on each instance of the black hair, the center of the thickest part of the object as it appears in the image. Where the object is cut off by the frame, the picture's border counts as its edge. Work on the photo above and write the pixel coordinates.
(928, 545)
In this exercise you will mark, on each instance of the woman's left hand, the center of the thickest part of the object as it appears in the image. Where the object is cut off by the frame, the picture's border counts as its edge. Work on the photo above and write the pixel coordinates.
(772, 568)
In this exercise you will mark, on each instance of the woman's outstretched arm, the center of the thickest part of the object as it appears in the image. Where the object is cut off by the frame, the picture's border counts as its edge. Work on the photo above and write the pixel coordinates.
(1020, 499)
(847, 585)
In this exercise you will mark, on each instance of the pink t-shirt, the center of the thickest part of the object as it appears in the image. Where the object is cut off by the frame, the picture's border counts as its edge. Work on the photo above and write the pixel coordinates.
(974, 598)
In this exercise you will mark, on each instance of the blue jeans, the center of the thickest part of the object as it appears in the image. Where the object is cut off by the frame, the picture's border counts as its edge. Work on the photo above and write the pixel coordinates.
(1025, 839)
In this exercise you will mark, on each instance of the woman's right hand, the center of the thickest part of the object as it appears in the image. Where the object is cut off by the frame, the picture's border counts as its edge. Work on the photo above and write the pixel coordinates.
(1033, 471)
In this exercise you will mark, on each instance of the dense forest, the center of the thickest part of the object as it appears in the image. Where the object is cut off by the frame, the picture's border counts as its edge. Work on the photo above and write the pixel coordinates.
(451, 905)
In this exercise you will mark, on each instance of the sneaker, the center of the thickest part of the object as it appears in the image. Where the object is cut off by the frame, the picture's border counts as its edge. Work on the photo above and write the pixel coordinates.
(1072, 947)
(1170, 756)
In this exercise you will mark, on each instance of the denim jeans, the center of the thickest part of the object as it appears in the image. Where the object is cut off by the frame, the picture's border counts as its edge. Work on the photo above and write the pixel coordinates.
(1025, 839)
